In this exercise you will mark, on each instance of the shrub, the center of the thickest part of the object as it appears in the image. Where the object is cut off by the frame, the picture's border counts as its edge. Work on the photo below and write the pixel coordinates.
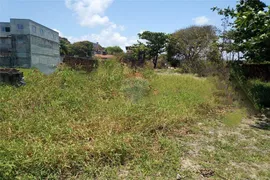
(234, 118)
(162, 61)
(256, 90)
(129, 59)
(202, 68)
(77, 63)
(260, 91)
(135, 88)
(109, 76)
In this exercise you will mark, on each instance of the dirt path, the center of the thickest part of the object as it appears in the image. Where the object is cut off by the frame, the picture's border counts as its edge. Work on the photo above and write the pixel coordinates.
(221, 152)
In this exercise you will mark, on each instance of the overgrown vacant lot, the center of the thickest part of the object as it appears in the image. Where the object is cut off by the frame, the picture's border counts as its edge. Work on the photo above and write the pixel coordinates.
(117, 124)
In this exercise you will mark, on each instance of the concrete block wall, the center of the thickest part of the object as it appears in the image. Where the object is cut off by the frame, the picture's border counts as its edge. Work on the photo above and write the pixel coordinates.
(5, 44)
(19, 26)
(34, 44)
(44, 46)
(4, 61)
(22, 48)
(5, 40)
(3, 26)
(43, 32)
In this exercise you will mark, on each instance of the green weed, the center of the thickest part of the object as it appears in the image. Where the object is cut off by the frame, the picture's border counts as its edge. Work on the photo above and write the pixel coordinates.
(234, 118)
(112, 123)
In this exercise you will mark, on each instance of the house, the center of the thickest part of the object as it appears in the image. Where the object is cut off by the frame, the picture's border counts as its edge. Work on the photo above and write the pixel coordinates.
(98, 49)
(25, 43)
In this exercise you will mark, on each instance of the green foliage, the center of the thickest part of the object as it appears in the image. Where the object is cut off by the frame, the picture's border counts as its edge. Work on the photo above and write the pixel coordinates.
(201, 68)
(64, 46)
(213, 55)
(233, 119)
(155, 42)
(140, 52)
(260, 91)
(192, 43)
(137, 57)
(115, 123)
(135, 88)
(139, 47)
(129, 58)
(256, 90)
(113, 50)
(162, 61)
(250, 30)
(73, 124)
(109, 75)
(81, 49)
(195, 50)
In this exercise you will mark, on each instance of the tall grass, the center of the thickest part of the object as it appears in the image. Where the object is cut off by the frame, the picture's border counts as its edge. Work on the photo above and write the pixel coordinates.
(71, 124)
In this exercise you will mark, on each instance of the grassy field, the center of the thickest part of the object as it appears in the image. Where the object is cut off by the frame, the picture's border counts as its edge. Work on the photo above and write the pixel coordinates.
(118, 124)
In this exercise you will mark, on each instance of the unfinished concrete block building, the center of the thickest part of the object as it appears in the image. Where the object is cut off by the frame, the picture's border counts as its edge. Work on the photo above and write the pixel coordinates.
(25, 43)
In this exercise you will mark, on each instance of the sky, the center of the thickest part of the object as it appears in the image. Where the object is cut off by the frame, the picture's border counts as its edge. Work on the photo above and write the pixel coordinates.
(114, 22)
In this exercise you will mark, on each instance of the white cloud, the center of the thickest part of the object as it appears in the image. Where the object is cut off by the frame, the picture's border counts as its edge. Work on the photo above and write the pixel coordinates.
(122, 28)
(202, 20)
(107, 37)
(90, 13)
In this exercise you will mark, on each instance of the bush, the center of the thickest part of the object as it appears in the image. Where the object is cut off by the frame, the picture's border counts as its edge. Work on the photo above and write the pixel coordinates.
(162, 61)
(109, 75)
(234, 118)
(135, 88)
(257, 90)
(202, 68)
(130, 59)
(173, 62)
(78, 63)
(261, 92)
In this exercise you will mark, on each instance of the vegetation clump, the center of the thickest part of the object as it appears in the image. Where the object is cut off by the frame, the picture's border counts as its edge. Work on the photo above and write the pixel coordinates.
(73, 124)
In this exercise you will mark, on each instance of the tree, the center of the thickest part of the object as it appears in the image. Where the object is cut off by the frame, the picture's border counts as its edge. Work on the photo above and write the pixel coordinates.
(64, 46)
(136, 57)
(82, 49)
(250, 30)
(155, 42)
(114, 50)
(191, 43)
(139, 52)
(225, 45)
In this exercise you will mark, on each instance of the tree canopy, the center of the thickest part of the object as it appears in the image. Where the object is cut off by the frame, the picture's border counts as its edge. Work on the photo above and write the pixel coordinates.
(155, 43)
(114, 50)
(64, 46)
(82, 49)
(192, 42)
(250, 31)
